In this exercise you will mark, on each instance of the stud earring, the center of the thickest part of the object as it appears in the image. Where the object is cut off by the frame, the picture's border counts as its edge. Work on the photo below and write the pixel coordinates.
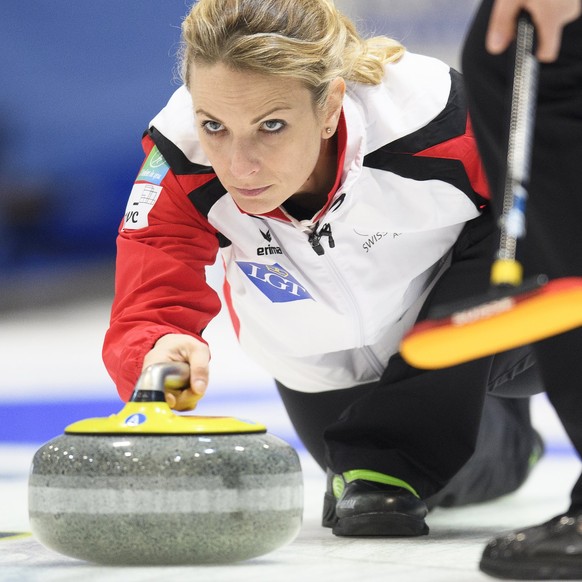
(328, 129)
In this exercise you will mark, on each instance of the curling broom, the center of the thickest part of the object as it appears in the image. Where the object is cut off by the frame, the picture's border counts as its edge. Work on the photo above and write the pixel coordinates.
(513, 312)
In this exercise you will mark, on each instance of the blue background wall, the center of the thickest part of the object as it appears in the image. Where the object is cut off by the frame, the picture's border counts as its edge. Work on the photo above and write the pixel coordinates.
(80, 81)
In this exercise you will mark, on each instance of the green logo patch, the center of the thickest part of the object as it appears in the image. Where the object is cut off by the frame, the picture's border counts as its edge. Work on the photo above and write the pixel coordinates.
(154, 168)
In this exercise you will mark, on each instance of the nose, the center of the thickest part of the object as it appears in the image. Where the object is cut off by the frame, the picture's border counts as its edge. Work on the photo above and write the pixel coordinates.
(243, 159)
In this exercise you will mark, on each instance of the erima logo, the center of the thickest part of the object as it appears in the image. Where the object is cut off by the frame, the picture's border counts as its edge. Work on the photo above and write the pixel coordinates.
(274, 282)
(268, 250)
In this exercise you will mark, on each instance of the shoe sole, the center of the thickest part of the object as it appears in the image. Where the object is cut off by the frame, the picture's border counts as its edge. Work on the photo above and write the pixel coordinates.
(380, 524)
(532, 569)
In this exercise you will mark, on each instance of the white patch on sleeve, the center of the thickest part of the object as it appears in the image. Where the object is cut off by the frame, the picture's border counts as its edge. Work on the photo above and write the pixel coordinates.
(141, 201)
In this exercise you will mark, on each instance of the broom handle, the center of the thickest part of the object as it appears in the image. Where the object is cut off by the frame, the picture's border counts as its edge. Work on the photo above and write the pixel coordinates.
(506, 270)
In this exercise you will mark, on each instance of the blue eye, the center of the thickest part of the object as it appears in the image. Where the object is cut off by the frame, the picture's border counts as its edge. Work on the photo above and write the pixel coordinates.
(273, 125)
(212, 127)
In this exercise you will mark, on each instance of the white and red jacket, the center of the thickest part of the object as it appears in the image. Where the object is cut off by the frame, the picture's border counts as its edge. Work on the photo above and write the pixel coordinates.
(320, 304)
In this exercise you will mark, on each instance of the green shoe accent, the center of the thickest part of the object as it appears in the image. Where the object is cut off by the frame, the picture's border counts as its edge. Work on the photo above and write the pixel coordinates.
(337, 485)
(537, 452)
(366, 475)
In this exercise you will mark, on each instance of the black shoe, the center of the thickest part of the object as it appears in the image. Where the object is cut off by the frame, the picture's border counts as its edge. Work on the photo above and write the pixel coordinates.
(329, 518)
(366, 508)
(551, 551)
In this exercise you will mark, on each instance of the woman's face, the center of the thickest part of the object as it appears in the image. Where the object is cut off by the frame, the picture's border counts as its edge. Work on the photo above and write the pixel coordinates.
(262, 134)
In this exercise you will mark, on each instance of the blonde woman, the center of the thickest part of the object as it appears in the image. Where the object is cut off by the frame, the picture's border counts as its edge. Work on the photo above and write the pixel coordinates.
(339, 180)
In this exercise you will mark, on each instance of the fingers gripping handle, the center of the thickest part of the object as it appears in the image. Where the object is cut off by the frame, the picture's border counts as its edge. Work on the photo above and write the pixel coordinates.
(156, 378)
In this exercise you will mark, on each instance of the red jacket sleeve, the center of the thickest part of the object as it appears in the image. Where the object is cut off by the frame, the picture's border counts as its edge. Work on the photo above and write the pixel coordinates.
(160, 283)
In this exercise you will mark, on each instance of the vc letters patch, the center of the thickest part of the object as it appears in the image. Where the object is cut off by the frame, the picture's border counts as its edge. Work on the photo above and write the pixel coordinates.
(141, 201)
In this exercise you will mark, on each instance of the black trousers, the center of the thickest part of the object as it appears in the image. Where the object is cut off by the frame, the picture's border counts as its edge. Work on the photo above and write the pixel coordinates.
(423, 426)
(499, 465)
(553, 244)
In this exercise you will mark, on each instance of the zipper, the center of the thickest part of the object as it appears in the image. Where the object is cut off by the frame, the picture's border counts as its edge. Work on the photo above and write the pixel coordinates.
(375, 364)
(315, 237)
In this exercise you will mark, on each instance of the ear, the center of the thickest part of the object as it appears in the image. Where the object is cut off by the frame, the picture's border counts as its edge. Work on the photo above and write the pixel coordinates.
(333, 107)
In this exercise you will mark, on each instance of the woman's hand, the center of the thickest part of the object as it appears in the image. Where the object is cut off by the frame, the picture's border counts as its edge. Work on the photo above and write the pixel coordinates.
(548, 16)
(182, 348)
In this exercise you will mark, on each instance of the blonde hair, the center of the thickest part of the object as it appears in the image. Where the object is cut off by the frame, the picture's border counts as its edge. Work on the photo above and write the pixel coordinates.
(309, 40)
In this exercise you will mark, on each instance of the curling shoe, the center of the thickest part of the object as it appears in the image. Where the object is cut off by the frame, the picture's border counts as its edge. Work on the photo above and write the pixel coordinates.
(551, 551)
(361, 507)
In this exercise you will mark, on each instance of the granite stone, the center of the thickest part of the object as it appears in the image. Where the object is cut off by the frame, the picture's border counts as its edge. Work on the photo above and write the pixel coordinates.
(165, 499)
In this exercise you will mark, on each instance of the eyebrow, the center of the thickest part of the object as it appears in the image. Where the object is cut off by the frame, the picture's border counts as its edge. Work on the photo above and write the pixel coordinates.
(200, 111)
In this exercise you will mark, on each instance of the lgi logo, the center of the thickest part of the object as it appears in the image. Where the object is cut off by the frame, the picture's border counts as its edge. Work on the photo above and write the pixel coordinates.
(274, 282)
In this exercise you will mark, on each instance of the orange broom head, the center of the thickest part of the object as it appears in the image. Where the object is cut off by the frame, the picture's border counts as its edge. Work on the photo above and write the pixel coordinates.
(496, 326)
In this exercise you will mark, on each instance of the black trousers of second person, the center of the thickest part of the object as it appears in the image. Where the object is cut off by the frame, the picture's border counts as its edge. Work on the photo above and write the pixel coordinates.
(553, 244)
(422, 426)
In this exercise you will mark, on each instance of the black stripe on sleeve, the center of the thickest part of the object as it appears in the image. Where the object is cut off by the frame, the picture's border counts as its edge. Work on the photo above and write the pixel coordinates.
(398, 156)
(179, 163)
(203, 197)
(206, 196)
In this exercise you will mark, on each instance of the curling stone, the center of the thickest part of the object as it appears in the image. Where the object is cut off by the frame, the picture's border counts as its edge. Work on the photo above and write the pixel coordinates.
(147, 486)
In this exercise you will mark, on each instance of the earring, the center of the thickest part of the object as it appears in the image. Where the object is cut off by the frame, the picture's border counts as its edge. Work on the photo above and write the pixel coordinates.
(328, 129)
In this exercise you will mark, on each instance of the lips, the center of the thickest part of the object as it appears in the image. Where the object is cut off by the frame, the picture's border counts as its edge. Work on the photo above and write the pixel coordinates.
(252, 192)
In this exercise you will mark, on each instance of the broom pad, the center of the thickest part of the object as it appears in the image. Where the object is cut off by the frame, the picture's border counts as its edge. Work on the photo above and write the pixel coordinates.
(497, 326)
